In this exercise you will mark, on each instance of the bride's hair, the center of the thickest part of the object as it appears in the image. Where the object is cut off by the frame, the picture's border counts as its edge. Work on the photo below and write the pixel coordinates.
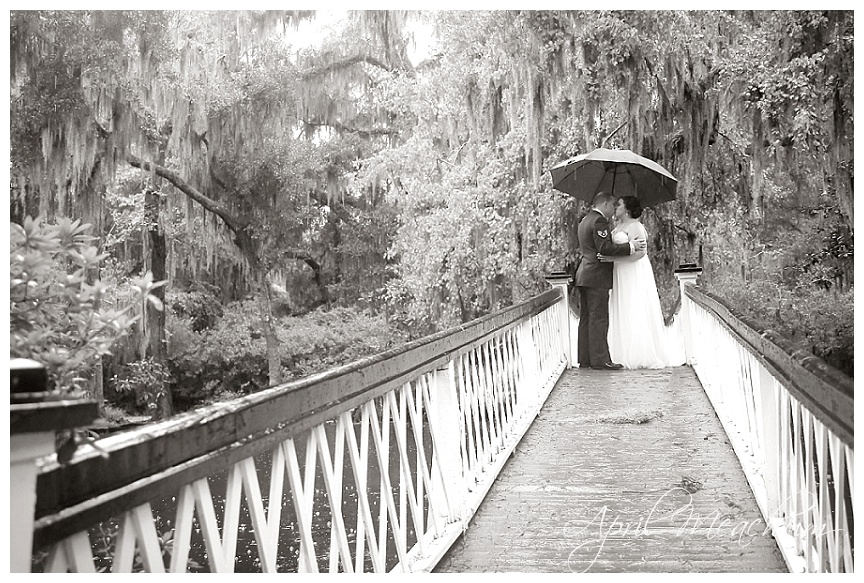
(631, 203)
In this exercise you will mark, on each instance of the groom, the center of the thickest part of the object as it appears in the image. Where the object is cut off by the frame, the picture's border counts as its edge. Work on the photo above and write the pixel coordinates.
(594, 280)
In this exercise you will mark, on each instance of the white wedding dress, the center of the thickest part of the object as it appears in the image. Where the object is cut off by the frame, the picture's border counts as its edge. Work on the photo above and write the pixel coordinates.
(638, 338)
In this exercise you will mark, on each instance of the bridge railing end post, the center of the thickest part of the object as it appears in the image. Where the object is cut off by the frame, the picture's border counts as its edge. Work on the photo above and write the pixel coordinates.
(36, 415)
(687, 274)
(560, 280)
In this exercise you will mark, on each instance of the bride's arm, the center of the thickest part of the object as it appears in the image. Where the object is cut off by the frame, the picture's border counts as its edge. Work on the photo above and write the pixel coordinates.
(640, 253)
(632, 234)
(637, 231)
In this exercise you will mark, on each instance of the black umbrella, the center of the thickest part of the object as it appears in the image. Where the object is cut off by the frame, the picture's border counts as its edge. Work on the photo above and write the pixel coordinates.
(618, 172)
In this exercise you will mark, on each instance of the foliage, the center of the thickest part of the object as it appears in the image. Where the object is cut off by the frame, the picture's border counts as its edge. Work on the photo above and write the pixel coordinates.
(217, 98)
(126, 219)
(792, 277)
(145, 379)
(820, 254)
(750, 110)
(57, 313)
(794, 71)
(229, 359)
(820, 322)
(342, 175)
(330, 337)
(206, 101)
(114, 415)
(200, 304)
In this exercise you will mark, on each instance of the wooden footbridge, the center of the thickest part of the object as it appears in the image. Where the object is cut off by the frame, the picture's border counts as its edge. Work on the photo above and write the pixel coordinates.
(475, 449)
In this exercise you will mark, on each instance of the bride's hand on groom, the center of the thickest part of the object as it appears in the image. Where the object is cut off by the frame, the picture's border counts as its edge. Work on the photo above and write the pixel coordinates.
(604, 258)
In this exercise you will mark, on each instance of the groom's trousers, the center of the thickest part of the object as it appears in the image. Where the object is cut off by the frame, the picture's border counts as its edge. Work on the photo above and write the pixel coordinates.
(593, 327)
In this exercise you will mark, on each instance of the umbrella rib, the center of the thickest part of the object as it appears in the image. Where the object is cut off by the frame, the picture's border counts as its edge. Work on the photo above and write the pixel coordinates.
(627, 169)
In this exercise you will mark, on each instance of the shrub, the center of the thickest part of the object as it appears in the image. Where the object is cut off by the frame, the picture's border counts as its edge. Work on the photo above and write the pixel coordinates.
(57, 316)
(145, 379)
(326, 338)
(114, 415)
(820, 321)
(230, 358)
(200, 304)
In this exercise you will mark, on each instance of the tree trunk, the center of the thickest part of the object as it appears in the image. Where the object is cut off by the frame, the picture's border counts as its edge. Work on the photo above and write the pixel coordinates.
(96, 380)
(155, 318)
(97, 386)
(274, 360)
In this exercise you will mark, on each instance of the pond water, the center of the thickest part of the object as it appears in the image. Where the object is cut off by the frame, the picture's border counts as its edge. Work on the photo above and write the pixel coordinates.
(103, 535)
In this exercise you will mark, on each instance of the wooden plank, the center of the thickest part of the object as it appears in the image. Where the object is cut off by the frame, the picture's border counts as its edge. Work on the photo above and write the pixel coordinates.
(51, 415)
(580, 464)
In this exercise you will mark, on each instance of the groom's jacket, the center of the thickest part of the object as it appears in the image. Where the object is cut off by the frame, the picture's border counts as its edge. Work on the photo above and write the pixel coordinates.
(595, 236)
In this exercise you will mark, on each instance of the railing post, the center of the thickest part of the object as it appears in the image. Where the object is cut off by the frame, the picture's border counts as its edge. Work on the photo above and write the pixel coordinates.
(687, 274)
(560, 280)
(25, 449)
(33, 422)
(27, 376)
(444, 409)
(770, 413)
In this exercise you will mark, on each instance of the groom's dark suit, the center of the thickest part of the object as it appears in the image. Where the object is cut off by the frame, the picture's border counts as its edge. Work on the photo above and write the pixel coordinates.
(594, 280)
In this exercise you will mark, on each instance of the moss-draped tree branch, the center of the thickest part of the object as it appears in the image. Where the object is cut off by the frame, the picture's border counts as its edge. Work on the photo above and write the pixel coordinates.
(232, 222)
(242, 238)
(343, 128)
(240, 228)
(344, 64)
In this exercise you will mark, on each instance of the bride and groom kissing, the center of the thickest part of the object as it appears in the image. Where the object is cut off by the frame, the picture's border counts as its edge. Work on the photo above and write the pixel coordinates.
(620, 319)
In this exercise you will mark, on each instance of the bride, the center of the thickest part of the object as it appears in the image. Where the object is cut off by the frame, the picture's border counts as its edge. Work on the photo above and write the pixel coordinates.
(637, 336)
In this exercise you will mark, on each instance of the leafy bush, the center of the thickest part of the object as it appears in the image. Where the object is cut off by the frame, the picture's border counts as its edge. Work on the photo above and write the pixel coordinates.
(230, 358)
(200, 303)
(792, 273)
(146, 380)
(114, 415)
(57, 316)
(326, 338)
(830, 329)
(819, 321)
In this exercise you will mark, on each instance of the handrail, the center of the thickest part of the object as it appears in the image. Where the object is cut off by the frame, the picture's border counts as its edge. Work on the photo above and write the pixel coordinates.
(827, 392)
(484, 380)
(789, 419)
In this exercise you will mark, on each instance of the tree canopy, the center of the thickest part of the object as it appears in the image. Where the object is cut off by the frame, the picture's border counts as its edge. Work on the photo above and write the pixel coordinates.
(344, 173)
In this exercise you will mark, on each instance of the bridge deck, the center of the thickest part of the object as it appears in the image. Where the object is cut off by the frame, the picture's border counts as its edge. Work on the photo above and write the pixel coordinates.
(626, 471)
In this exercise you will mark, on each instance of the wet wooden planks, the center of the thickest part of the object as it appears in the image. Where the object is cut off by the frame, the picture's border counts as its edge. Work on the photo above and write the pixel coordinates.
(625, 471)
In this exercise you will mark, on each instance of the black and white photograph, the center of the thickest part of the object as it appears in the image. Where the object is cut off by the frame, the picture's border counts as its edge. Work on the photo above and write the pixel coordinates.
(449, 289)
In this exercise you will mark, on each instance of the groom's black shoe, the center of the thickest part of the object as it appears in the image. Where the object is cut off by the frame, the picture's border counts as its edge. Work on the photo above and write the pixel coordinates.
(608, 366)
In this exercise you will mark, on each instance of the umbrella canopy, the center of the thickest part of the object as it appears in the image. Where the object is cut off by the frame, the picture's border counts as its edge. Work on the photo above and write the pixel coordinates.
(619, 172)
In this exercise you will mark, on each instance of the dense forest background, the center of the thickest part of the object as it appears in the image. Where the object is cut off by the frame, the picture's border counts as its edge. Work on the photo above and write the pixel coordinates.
(309, 203)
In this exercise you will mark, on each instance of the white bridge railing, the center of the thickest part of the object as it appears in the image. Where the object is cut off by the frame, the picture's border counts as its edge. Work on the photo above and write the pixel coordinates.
(790, 421)
(379, 465)
(374, 466)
